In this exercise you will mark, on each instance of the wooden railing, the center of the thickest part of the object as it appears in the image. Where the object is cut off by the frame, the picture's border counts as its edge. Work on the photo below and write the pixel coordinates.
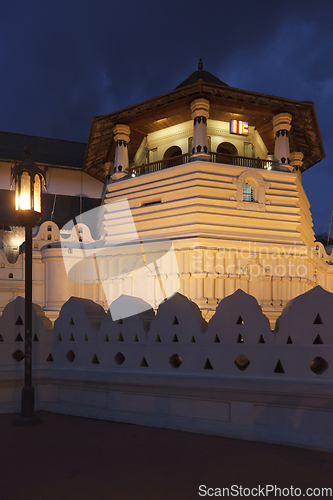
(159, 165)
(241, 161)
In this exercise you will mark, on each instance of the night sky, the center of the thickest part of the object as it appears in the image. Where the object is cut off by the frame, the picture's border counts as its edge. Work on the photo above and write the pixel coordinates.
(63, 62)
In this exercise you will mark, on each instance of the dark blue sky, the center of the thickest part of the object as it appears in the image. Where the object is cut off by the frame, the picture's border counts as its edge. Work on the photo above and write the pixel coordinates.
(63, 62)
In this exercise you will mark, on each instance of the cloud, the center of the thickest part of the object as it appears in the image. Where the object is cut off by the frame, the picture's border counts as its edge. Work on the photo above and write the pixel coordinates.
(64, 62)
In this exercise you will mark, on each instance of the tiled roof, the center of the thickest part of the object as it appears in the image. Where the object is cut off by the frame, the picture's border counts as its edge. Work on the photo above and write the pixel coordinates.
(44, 151)
(201, 75)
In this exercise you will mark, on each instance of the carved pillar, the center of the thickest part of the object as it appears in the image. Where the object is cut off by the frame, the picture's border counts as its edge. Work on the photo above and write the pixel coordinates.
(121, 138)
(200, 115)
(281, 124)
(296, 160)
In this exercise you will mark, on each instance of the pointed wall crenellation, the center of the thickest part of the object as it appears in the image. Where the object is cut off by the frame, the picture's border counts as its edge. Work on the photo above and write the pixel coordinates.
(237, 341)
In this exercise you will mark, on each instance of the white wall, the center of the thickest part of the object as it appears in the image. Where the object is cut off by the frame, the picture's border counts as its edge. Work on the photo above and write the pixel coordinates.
(72, 183)
(83, 367)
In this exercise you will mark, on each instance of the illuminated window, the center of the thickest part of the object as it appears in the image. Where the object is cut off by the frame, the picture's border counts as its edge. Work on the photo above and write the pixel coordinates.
(49, 228)
(247, 192)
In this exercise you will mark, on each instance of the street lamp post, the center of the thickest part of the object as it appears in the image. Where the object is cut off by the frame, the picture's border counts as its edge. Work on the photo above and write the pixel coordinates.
(28, 180)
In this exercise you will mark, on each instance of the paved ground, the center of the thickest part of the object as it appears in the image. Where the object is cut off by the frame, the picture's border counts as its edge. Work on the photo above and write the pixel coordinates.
(75, 458)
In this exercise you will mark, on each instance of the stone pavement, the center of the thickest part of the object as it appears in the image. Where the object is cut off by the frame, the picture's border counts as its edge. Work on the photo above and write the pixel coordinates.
(75, 458)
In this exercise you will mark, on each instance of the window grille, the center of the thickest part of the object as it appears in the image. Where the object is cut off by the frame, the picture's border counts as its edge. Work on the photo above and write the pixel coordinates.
(247, 192)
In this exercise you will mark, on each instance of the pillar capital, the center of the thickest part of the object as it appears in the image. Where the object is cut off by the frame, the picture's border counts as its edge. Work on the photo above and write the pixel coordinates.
(282, 122)
(296, 160)
(121, 132)
(200, 107)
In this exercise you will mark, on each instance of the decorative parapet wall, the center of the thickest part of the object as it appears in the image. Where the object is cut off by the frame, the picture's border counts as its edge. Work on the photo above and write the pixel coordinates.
(233, 376)
(206, 274)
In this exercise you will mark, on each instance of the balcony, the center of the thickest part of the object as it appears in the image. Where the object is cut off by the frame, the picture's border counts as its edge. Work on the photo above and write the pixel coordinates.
(241, 161)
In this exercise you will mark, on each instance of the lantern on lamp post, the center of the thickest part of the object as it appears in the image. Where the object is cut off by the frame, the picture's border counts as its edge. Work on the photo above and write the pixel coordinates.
(28, 179)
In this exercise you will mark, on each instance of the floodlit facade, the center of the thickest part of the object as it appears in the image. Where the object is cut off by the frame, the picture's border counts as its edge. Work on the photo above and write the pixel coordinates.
(216, 170)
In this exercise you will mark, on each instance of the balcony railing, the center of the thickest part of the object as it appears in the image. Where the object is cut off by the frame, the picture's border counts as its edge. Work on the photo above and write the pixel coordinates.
(241, 161)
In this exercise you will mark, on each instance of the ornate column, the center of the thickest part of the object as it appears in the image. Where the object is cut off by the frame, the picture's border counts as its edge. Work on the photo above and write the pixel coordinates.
(296, 160)
(281, 124)
(200, 115)
(121, 138)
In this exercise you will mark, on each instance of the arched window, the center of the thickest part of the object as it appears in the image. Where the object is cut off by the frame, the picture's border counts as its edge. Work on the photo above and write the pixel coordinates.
(49, 228)
(225, 151)
(173, 153)
(247, 192)
(251, 190)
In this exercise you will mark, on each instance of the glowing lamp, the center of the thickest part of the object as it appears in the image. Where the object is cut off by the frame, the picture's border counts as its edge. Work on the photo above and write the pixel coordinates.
(28, 180)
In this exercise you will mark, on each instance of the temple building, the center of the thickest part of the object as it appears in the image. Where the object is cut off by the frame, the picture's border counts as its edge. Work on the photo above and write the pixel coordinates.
(216, 170)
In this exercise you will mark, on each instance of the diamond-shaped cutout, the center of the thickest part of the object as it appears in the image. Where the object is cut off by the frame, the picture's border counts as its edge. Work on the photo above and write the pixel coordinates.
(70, 356)
(318, 365)
(119, 358)
(18, 355)
(242, 362)
(175, 361)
